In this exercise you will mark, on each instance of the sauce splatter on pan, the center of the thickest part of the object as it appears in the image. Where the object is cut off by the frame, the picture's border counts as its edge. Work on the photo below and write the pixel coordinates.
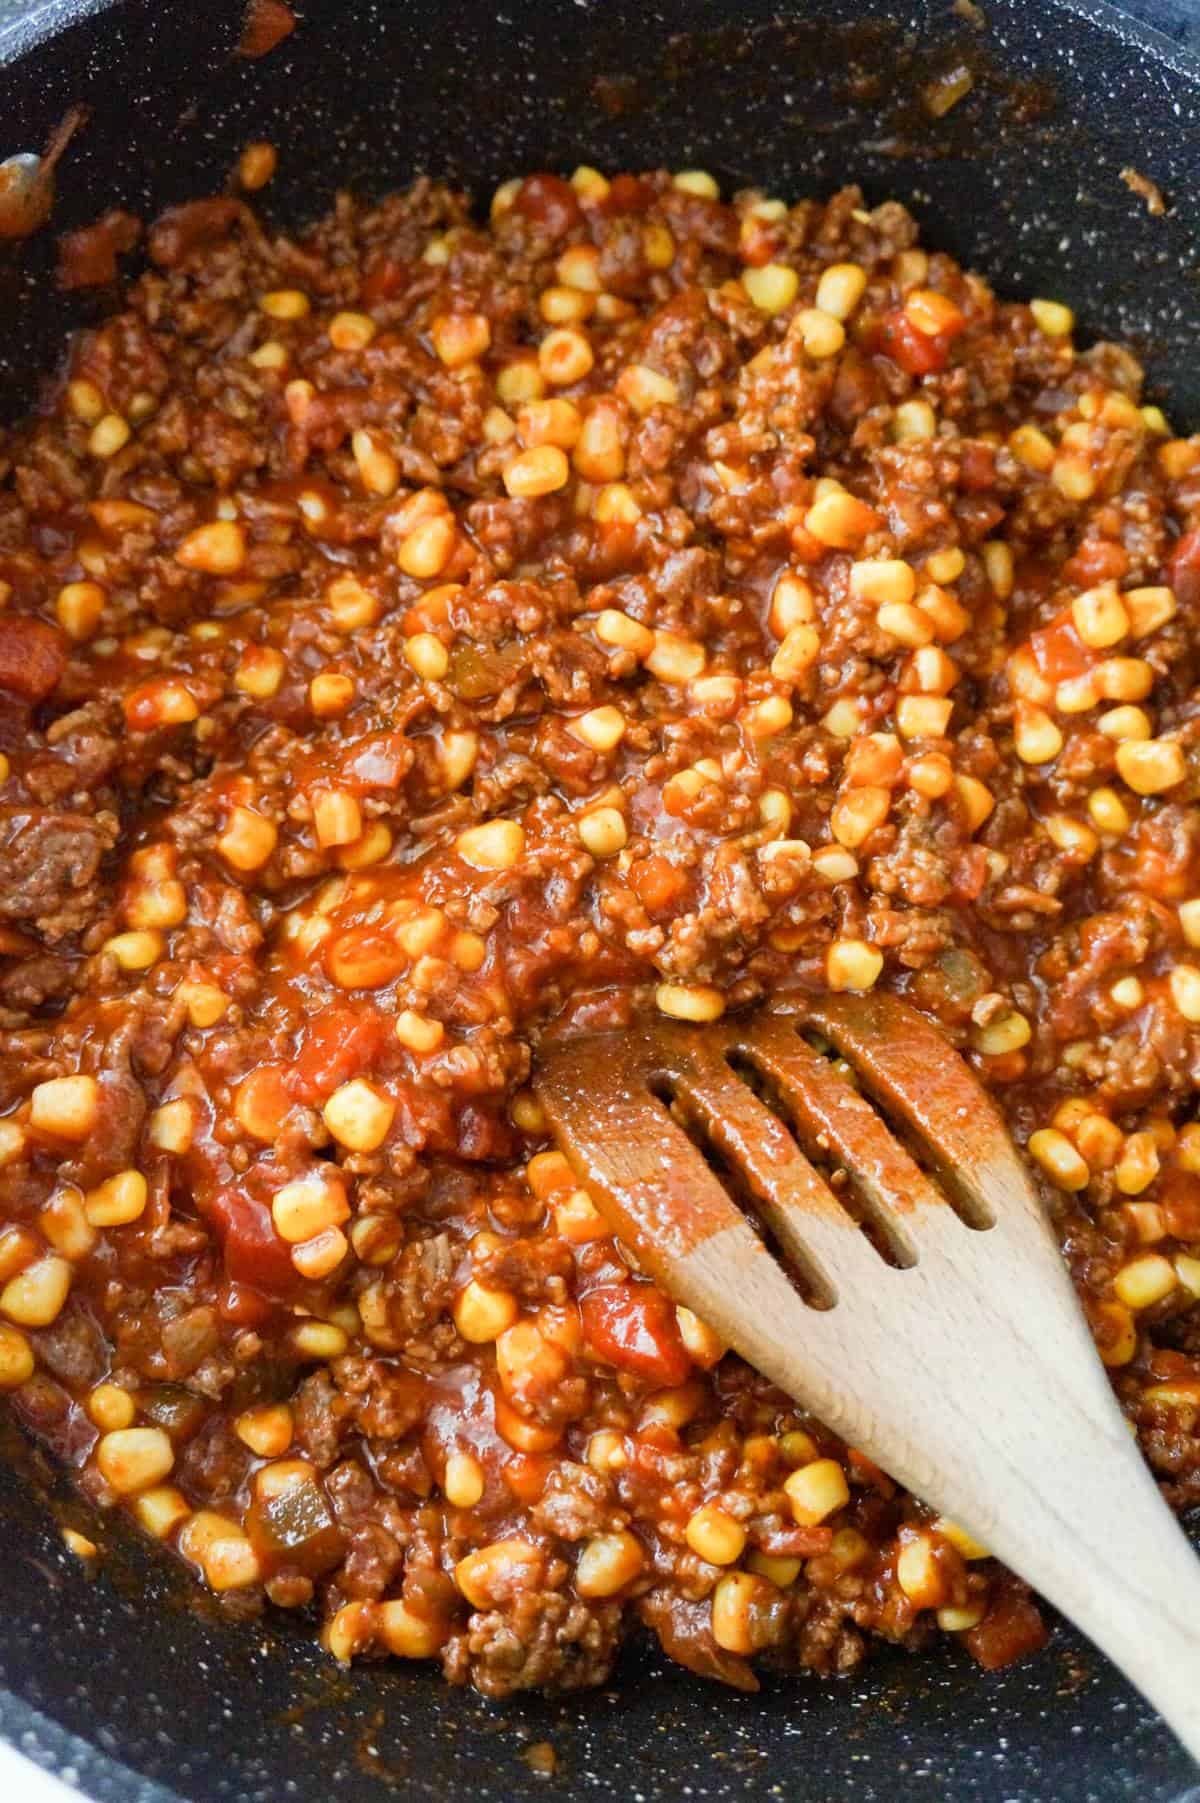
(27, 181)
(266, 25)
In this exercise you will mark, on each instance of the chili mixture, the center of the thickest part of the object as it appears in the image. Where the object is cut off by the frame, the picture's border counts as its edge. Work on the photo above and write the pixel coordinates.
(419, 637)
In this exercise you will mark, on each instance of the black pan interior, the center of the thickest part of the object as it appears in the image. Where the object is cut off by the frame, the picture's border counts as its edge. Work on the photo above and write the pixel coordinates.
(1023, 179)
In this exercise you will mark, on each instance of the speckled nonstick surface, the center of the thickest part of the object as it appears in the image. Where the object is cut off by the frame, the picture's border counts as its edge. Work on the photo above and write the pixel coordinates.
(128, 1684)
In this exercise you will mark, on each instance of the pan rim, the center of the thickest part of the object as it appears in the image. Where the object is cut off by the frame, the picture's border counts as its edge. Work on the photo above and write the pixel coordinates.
(36, 1737)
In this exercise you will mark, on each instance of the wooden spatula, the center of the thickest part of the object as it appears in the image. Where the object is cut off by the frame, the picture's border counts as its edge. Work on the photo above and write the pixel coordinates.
(925, 1315)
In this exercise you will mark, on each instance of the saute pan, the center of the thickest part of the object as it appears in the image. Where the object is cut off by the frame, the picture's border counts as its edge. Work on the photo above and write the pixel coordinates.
(125, 1682)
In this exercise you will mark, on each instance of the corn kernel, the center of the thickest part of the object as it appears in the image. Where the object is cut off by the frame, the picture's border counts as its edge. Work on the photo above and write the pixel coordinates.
(65, 1107)
(840, 289)
(772, 286)
(1151, 766)
(1053, 318)
(715, 1535)
(1144, 1281)
(118, 1201)
(816, 1490)
(134, 1458)
(689, 1001)
(1058, 1158)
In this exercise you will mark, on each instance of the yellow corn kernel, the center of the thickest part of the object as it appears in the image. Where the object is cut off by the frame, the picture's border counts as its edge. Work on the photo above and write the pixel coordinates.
(1144, 1281)
(306, 1207)
(821, 335)
(697, 181)
(608, 1563)
(351, 331)
(417, 1033)
(1109, 813)
(853, 964)
(482, 1314)
(503, 1563)
(1151, 766)
(771, 287)
(816, 1490)
(840, 289)
(16, 1357)
(267, 1430)
(358, 1116)
(715, 1535)
(963, 1543)
(1053, 318)
(603, 831)
(1036, 737)
(690, 1001)
(883, 581)
(1056, 1155)
(248, 839)
(65, 1107)
(118, 1201)
(493, 845)
(463, 1482)
(919, 1574)
(735, 1604)
(1184, 984)
(161, 1509)
(134, 1458)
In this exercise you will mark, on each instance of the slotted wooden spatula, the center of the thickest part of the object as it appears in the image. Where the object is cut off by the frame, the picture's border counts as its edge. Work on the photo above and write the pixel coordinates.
(927, 1317)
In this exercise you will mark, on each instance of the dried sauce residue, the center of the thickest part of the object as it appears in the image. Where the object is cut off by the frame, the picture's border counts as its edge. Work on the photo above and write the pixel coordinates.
(541, 1758)
(266, 24)
(946, 90)
(88, 258)
(1150, 192)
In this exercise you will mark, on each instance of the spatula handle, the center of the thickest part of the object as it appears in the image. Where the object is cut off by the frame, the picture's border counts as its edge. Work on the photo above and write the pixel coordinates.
(1096, 1539)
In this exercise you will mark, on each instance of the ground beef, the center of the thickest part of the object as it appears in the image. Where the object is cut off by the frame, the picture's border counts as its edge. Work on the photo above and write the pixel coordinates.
(545, 1638)
(49, 865)
(37, 978)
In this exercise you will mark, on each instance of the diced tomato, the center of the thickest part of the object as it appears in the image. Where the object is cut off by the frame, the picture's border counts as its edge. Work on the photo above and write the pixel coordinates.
(1180, 1198)
(759, 242)
(633, 1326)
(526, 1474)
(866, 1471)
(254, 1252)
(263, 1101)
(1183, 569)
(338, 1043)
(380, 759)
(364, 958)
(796, 1542)
(628, 194)
(32, 656)
(917, 353)
(1097, 560)
(977, 467)
(243, 1306)
(548, 201)
(1058, 650)
(1170, 1365)
(656, 882)
(384, 279)
(1012, 1627)
(857, 388)
(969, 873)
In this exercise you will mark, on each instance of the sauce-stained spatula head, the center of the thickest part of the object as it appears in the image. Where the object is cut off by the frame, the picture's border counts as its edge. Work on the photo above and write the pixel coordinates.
(836, 1195)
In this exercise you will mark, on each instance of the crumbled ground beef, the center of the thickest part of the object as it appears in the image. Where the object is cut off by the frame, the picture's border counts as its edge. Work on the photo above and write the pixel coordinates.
(49, 864)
